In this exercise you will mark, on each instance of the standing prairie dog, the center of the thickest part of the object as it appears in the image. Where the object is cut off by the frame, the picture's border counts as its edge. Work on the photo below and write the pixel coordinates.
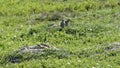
(67, 22)
(64, 23)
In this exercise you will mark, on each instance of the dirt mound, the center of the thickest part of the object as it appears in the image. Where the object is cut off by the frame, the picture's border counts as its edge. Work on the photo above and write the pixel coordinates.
(39, 51)
(39, 48)
(115, 46)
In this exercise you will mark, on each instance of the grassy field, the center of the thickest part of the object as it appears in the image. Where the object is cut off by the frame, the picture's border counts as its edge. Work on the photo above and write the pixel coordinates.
(90, 41)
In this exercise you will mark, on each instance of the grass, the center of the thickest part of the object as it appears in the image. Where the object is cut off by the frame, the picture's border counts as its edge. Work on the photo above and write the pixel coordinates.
(85, 42)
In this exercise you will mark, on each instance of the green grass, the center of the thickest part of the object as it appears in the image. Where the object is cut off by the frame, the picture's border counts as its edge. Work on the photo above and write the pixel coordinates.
(95, 25)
